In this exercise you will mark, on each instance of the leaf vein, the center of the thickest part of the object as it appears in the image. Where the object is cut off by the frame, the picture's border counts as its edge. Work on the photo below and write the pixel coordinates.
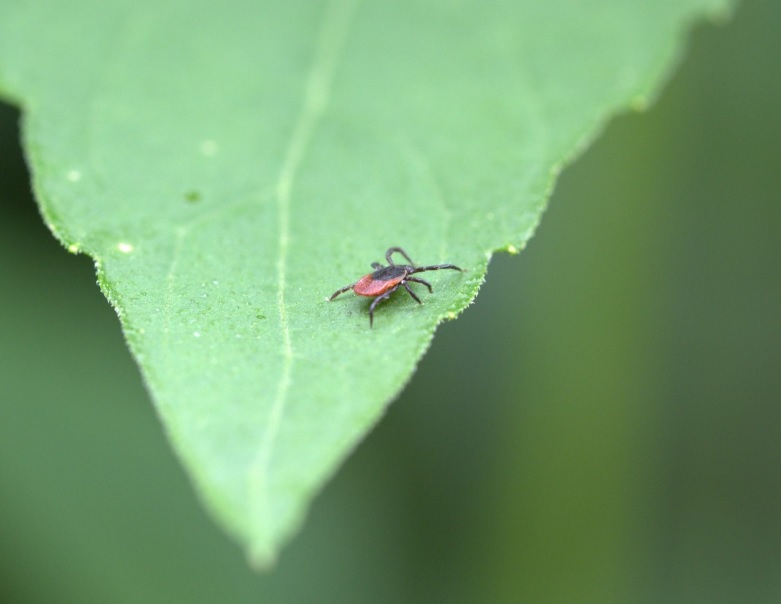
(168, 301)
(328, 49)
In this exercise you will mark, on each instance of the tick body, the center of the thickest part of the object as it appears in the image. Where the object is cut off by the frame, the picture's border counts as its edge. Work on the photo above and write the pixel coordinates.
(387, 279)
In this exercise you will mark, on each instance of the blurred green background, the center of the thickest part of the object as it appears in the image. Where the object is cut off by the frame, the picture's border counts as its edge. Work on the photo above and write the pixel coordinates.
(601, 426)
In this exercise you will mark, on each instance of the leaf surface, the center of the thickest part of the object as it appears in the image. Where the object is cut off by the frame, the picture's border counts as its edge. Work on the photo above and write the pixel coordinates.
(229, 165)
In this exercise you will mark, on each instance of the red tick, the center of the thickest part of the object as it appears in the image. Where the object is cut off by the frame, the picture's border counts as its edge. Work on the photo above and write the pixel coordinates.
(387, 279)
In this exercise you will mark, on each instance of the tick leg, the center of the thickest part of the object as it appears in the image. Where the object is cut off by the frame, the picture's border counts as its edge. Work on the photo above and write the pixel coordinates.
(377, 300)
(436, 267)
(340, 291)
(397, 250)
(411, 293)
(421, 281)
(376, 265)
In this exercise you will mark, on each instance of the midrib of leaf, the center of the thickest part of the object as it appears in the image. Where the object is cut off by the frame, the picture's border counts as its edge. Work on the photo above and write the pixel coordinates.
(337, 18)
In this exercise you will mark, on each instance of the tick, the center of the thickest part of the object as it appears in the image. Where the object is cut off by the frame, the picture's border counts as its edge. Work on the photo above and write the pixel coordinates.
(387, 279)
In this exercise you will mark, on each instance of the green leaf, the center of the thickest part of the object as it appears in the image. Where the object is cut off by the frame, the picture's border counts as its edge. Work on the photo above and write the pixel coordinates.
(228, 166)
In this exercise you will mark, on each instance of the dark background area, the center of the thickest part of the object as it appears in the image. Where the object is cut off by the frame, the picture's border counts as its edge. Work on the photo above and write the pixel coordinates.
(601, 426)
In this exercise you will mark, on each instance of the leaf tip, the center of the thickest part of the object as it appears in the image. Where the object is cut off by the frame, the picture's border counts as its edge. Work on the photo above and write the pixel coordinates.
(262, 557)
